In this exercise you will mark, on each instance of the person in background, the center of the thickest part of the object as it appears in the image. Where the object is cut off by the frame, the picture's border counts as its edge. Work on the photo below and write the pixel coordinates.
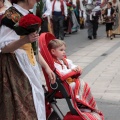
(81, 19)
(89, 25)
(68, 24)
(109, 19)
(92, 19)
(96, 12)
(102, 16)
(47, 23)
(3, 7)
(59, 14)
(39, 9)
(21, 92)
(76, 11)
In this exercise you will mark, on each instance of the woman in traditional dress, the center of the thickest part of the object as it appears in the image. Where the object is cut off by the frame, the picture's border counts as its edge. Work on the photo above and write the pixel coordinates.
(21, 92)
(116, 27)
(68, 23)
(109, 19)
(59, 15)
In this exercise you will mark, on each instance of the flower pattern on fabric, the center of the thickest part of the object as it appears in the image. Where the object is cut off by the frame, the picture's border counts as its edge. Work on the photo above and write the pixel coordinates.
(12, 14)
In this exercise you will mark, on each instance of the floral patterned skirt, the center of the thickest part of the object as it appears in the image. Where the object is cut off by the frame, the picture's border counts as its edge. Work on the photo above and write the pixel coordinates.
(16, 100)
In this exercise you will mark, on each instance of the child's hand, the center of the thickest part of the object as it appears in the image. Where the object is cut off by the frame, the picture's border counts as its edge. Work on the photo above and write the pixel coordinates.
(77, 69)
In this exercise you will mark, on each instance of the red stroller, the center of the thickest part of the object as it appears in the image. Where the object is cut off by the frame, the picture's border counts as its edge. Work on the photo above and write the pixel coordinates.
(61, 89)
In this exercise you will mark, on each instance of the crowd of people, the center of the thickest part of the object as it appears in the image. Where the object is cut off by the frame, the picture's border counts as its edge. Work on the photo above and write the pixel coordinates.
(105, 15)
(64, 17)
(21, 92)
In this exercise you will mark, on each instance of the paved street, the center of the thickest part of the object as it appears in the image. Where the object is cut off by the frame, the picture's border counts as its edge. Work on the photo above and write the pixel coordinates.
(100, 60)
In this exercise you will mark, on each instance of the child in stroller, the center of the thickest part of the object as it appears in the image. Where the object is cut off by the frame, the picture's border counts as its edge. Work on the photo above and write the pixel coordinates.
(82, 99)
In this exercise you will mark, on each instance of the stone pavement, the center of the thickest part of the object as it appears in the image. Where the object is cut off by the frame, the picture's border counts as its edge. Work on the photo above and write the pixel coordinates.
(100, 62)
(101, 70)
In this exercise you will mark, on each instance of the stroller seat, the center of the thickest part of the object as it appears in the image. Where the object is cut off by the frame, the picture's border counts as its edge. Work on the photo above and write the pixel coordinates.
(61, 89)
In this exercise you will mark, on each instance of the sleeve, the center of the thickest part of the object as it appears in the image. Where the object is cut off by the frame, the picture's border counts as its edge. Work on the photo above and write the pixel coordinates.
(62, 71)
(48, 8)
(65, 9)
(105, 12)
(7, 22)
(7, 36)
(113, 11)
(71, 65)
(34, 9)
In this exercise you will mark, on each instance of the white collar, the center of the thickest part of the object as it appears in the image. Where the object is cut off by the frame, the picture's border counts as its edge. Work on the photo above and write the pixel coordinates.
(21, 10)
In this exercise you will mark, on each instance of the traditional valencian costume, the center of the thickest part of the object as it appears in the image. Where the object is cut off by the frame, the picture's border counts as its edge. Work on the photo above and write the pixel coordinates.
(116, 27)
(84, 100)
(109, 19)
(21, 92)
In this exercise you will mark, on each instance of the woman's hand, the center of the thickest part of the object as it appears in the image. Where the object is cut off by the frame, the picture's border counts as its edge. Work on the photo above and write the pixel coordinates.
(49, 72)
(51, 75)
(18, 43)
(32, 37)
(43, 16)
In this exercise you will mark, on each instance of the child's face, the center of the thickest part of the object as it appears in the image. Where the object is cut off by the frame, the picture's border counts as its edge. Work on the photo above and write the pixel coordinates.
(59, 52)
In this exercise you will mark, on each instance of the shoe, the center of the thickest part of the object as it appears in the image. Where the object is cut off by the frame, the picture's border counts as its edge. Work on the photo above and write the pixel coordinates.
(90, 37)
(111, 37)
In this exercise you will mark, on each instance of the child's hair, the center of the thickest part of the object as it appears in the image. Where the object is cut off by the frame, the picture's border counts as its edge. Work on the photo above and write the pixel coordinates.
(53, 44)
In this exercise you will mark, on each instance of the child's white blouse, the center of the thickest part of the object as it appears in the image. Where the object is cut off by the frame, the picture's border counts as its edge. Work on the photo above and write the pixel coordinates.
(63, 68)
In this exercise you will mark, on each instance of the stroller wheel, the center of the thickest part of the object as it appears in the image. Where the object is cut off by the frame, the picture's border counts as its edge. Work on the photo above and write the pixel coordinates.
(53, 116)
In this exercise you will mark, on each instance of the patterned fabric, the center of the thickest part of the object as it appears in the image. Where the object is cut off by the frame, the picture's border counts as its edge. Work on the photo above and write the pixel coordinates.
(82, 98)
(116, 27)
(28, 76)
(109, 19)
(85, 103)
(16, 100)
(11, 17)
